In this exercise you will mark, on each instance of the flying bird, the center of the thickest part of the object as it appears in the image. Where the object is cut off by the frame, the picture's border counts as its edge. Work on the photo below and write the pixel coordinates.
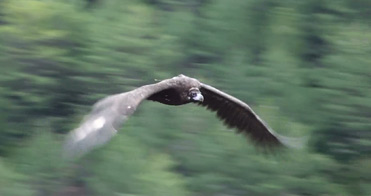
(111, 112)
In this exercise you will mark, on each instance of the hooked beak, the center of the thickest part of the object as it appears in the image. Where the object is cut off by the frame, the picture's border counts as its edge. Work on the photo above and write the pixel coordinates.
(198, 98)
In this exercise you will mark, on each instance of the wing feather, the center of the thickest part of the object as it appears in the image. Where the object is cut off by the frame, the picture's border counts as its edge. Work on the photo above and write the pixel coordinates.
(237, 114)
(107, 116)
(99, 126)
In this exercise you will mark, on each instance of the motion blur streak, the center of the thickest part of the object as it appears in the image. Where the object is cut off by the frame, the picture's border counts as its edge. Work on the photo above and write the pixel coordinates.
(303, 66)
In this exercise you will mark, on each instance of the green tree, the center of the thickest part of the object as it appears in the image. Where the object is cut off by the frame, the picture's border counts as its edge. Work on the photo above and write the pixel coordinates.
(125, 167)
(13, 183)
(42, 44)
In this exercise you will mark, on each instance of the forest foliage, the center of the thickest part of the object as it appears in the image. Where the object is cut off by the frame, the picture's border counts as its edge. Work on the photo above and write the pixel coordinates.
(303, 66)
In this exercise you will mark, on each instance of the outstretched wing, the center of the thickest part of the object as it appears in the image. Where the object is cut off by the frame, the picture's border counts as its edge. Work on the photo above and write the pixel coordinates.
(107, 116)
(101, 124)
(239, 115)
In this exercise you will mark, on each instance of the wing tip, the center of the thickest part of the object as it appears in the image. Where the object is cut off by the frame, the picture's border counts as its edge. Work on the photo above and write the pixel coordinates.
(293, 142)
(71, 149)
(277, 142)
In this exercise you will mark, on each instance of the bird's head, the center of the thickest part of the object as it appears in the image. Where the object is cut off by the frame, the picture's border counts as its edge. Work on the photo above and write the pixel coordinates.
(194, 95)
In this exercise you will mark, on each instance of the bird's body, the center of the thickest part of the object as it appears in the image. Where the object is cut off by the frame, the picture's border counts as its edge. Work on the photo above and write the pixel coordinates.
(111, 112)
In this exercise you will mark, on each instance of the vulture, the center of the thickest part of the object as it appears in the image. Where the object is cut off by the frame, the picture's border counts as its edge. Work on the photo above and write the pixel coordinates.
(111, 112)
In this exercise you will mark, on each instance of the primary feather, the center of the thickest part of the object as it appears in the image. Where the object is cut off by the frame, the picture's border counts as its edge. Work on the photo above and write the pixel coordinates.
(239, 115)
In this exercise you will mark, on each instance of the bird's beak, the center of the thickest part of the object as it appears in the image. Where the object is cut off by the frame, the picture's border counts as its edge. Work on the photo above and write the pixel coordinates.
(199, 97)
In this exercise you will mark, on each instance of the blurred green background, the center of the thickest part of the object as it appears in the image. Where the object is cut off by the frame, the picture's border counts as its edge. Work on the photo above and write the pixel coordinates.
(303, 66)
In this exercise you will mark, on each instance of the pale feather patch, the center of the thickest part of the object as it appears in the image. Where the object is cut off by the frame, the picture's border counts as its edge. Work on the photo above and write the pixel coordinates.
(95, 126)
(99, 122)
(79, 135)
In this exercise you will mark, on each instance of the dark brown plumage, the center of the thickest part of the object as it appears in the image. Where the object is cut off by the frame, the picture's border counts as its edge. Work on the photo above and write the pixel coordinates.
(237, 114)
(111, 112)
